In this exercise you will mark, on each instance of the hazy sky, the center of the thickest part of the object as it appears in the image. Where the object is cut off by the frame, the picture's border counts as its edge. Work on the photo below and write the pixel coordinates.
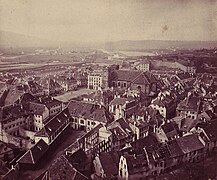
(99, 20)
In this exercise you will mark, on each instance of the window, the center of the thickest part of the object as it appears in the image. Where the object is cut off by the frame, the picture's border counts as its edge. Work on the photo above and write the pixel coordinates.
(88, 123)
(82, 121)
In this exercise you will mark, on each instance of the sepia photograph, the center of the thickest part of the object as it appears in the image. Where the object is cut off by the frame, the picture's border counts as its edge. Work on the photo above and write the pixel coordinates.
(108, 89)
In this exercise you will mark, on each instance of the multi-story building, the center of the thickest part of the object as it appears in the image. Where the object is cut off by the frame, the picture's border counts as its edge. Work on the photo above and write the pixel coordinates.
(55, 127)
(86, 115)
(43, 109)
(142, 66)
(13, 117)
(189, 107)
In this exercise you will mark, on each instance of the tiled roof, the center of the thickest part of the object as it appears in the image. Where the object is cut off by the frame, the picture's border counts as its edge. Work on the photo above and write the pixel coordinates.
(62, 169)
(187, 124)
(120, 129)
(174, 148)
(136, 163)
(149, 142)
(121, 101)
(125, 75)
(54, 124)
(36, 108)
(110, 161)
(89, 111)
(190, 143)
(211, 130)
(12, 111)
(164, 101)
(168, 127)
(13, 96)
(49, 101)
(136, 77)
(33, 155)
(191, 103)
(77, 158)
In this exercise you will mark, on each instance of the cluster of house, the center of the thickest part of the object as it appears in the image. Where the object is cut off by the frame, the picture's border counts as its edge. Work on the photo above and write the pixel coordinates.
(141, 126)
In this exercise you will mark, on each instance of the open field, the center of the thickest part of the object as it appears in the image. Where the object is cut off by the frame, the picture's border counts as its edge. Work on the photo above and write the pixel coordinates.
(73, 94)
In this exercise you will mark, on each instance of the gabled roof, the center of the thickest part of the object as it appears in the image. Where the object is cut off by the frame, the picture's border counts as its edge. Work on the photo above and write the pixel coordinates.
(136, 163)
(109, 162)
(13, 96)
(168, 128)
(89, 111)
(33, 155)
(54, 124)
(164, 101)
(12, 111)
(149, 142)
(211, 130)
(174, 148)
(125, 75)
(77, 158)
(120, 129)
(62, 169)
(36, 108)
(121, 101)
(191, 103)
(190, 143)
(136, 77)
(49, 101)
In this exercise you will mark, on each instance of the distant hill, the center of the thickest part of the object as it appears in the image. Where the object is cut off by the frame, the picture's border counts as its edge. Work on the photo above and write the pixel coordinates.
(158, 44)
(15, 40)
(10, 39)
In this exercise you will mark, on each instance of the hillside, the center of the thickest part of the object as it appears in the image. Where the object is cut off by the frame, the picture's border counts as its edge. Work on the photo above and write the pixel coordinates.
(158, 44)
(10, 39)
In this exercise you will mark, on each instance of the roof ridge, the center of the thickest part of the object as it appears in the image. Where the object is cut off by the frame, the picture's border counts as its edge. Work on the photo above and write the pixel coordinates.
(32, 157)
(137, 76)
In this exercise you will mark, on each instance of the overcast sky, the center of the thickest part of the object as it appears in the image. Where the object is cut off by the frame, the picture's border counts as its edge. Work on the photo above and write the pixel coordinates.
(99, 20)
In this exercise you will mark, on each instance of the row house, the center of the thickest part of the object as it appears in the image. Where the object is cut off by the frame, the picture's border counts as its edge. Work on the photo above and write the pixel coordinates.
(123, 107)
(134, 164)
(95, 141)
(145, 120)
(86, 115)
(53, 105)
(189, 107)
(13, 117)
(186, 149)
(40, 115)
(165, 104)
(53, 87)
(210, 134)
(167, 132)
(148, 157)
(35, 88)
(106, 165)
(54, 128)
(100, 97)
(121, 134)
(43, 109)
